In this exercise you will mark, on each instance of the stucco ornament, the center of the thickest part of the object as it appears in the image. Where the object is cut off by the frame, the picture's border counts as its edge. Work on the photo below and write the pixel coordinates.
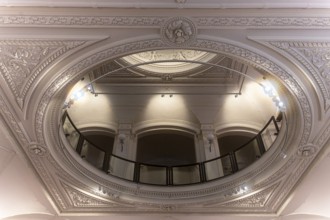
(178, 32)
(37, 150)
(307, 150)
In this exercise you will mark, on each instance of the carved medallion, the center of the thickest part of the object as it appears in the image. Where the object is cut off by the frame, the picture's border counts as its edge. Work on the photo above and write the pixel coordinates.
(307, 150)
(37, 150)
(178, 32)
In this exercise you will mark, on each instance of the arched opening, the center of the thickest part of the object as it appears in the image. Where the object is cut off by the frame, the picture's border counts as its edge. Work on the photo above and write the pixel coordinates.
(167, 148)
(97, 149)
(157, 151)
(243, 145)
(95, 145)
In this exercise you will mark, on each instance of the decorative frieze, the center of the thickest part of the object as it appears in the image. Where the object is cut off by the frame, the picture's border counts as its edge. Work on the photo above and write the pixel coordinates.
(23, 61)
(257, 200)
(80, 199)
(315, 57)
(154, 21)
(91, 21)
(261, 21)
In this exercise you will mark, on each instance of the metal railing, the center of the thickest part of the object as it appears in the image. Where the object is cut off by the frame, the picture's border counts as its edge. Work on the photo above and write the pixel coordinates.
(205, 171)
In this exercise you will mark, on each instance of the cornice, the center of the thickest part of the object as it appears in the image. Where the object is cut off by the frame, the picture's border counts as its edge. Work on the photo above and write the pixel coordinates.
(264, 21)
(221, 21)
(142, 4)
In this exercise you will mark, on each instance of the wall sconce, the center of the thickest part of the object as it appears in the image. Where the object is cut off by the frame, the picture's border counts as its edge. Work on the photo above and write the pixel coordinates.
(122, 138)
(210, 139)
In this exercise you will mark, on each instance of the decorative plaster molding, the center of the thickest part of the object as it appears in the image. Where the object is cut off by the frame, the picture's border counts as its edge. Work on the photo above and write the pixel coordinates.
(155, 21)
(23, 61)
(257, 200)
(265, 22)
(81, 200)
(189, 197)
(180, 1)
(262, 62)
(307, 150)
(315, 57)
(12, 121)
(90, 21)
(74, 73)
(37, 150)
(179, 32)
(169, 197)
(324, 137)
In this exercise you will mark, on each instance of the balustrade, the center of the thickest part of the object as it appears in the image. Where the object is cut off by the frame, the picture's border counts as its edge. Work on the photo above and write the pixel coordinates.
(172, 175)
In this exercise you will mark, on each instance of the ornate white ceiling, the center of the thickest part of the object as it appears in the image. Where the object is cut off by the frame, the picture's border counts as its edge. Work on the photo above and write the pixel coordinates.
(171, 3)
(169, 68)
(44, 52)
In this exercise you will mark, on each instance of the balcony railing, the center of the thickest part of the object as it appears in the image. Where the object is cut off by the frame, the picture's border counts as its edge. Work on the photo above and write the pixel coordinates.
(171, 175)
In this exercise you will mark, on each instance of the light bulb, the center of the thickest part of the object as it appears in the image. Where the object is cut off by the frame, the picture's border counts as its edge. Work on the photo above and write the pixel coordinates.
(267, 89)
(282, 109)
(276, 99)
(77, 95)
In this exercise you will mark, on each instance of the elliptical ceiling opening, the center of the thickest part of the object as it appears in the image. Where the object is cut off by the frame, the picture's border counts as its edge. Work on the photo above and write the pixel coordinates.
(169, 67)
